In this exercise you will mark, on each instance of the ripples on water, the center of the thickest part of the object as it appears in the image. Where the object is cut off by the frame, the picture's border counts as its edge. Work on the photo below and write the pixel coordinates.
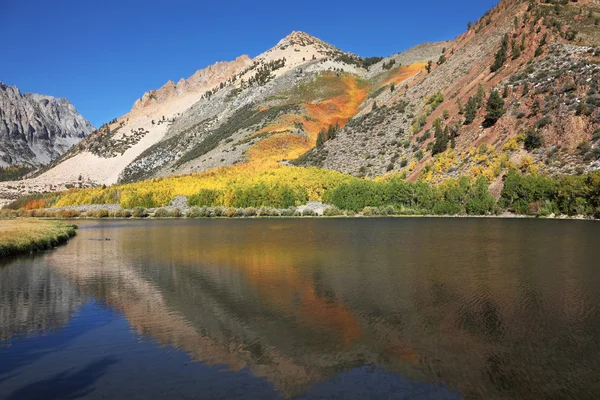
(385, 308)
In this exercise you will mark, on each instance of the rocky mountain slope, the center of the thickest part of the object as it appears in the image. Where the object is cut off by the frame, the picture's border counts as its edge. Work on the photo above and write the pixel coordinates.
(542, 59)
(35, 129)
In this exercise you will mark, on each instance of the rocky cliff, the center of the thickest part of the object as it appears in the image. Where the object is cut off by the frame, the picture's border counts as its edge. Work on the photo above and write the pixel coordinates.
(35, 129)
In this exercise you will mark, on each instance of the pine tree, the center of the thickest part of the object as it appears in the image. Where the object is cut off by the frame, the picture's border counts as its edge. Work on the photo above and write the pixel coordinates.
(505, 92)
(480, 96)
(441, 142)
(393, 87)
(495, 108)
(471, 110)
(429, 64)
(321, 138)
(516, 51)
(500, 57)
(331, 131)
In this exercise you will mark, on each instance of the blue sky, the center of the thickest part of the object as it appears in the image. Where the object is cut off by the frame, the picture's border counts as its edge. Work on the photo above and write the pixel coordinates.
(104, 54)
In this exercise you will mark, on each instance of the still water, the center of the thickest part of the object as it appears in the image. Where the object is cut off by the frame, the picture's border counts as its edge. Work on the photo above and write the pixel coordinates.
(306, 308)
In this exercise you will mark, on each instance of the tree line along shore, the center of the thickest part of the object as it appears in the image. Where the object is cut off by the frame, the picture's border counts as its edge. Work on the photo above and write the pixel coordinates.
(528, 195)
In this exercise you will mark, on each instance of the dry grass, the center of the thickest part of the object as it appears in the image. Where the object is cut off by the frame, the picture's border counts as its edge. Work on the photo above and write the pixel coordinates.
(23, 236)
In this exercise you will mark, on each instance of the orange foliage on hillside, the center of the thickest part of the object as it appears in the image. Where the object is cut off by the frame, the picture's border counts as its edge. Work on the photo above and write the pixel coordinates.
(348, 94)
(35, 204)
(399, 75)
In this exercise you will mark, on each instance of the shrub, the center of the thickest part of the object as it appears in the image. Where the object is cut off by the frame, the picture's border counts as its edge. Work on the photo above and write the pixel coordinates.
(97, 214)
(332, 212)
(196, 212)
(288, 212)
(308, 212)
(122, 214)
(533, 140)
(230, 212)
(69, 214)
(139, 212)
(162, 213)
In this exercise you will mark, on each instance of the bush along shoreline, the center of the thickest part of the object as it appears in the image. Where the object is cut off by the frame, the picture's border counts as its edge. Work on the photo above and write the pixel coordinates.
(522, 195)
(28, 236)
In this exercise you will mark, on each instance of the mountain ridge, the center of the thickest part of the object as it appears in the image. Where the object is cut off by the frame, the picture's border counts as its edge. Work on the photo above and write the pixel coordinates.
(36, 128)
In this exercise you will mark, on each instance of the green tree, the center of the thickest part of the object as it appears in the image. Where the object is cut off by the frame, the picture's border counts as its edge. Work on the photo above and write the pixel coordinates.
(470, 110)
(321, 138)
(495, 108)
(480, 96)
(516, 51)
(442, 137)
(500, 57)
(533, 140)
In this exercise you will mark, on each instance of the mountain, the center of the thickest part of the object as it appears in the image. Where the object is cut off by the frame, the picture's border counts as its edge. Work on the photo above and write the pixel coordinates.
(519, 89)
(35, 129)
(542, 58)
(230, 112)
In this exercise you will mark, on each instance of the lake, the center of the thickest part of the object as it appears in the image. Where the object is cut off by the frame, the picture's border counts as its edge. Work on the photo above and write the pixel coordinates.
(424, 308)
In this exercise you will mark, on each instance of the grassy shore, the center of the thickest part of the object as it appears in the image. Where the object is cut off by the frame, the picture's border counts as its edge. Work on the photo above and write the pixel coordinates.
(24, 236)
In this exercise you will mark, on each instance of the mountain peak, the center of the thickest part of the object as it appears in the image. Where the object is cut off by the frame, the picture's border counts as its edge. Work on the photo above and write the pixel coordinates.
(299, 38)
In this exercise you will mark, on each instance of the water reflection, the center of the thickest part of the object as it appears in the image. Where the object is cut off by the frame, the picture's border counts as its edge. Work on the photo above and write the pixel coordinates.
(494, 309)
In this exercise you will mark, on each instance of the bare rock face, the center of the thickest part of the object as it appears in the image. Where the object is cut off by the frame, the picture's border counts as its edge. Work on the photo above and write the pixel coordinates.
(35, 129)
(201, 81)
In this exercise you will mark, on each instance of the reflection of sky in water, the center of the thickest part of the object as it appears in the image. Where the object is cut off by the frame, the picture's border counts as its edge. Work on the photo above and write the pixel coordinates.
(98, 356)
(308, 308)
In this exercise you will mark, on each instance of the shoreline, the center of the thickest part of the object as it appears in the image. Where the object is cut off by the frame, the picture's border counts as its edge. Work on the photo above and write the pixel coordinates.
(356, 216)
(180, 210)
(20, 236)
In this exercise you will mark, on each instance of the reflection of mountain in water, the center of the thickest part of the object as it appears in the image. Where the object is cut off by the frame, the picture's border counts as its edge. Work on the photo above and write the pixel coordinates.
(299, 302)
(34, 298)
